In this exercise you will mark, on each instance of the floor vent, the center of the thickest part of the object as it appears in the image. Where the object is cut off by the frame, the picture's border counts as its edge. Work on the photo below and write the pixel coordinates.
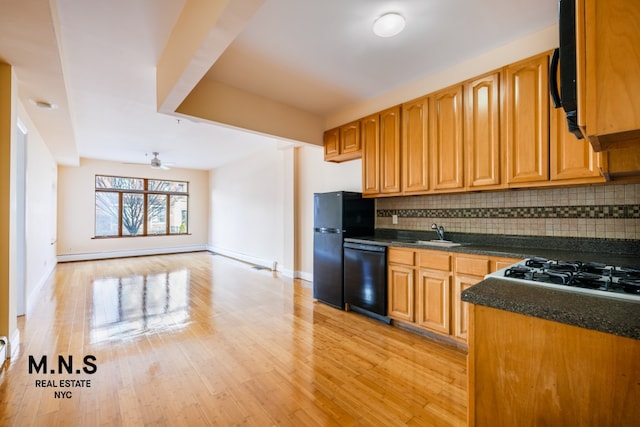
(259, 267)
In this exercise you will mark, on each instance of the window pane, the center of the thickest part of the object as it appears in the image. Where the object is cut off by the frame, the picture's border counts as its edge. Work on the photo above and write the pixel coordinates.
(179, 206)
(119, 183)
(132, 214)
(107, 214)
(157, 205)
(168, 186)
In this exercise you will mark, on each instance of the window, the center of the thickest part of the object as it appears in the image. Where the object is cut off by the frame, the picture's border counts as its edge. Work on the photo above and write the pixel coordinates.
(140, 207)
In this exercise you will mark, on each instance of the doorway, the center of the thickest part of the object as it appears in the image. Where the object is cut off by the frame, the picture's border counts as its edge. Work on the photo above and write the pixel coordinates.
(21, 219)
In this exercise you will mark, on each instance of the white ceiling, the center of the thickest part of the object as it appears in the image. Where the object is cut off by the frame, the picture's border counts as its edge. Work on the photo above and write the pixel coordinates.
(97, 61)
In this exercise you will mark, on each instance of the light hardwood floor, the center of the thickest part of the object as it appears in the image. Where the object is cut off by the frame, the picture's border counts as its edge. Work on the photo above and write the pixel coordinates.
(200, 339)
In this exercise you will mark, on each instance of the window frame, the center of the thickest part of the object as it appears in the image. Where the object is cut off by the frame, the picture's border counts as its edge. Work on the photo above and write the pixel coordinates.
(145, 192)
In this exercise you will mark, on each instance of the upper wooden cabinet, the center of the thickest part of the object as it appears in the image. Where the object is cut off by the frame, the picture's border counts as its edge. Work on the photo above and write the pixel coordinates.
(526, 124)
(390, 151)
(415, 146)
(447, 153)
(381, 153)
(571, 159)
(483, 142)
(370, 136)
(343, 143)
(608, 72)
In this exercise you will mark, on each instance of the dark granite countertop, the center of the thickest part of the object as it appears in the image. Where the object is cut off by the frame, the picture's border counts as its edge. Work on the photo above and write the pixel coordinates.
(609, 251)
(609, 315)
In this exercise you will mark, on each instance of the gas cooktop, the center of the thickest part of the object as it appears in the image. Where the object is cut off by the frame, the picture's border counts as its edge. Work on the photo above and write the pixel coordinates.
(583, 277)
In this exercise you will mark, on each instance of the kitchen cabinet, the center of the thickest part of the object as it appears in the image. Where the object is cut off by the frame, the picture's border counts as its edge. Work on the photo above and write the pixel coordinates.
(434, 291)
(415, 146)
(370, 127)
(526, 123)
(390, 151)
(483, 139)
(608, 72)
(381, 153)
(622, 165)
(528, 371)
(425, 287)
(401, 284)
(571, 159)
(469, 270)
(446, 139)
(343, 143)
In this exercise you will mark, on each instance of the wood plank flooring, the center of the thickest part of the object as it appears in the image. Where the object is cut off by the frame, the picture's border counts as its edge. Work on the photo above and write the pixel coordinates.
(200, 339)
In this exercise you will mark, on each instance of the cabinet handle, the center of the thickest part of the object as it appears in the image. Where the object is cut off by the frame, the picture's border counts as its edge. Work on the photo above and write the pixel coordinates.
(553, 79)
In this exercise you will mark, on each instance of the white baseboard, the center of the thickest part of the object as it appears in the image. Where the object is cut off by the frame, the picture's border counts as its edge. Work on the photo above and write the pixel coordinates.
(33, 296)
(251, 259)
(14, 343)
(89, 256)
(304, 276)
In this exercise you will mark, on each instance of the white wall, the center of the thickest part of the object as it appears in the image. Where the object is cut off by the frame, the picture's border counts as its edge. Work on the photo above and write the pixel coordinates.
(76, 213)
(41, 207)
(314, 175)
(251, 208)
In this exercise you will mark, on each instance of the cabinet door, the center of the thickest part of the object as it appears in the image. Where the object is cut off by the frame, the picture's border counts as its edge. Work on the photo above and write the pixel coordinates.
(350, 138)
(527, 120)
(390, 151)
(401, 289)
(447, 139)
(608, 72)
(500, 263)
(482, 132)
(370, 135)
(331, 143)
(434, 292)
(415, 146)
(461, 308)
(571, 158)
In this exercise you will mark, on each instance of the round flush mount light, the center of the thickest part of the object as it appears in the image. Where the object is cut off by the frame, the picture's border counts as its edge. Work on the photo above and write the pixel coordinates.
(388, 25)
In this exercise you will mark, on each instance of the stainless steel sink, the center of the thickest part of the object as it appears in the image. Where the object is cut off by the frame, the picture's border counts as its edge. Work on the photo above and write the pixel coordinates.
(437, 242)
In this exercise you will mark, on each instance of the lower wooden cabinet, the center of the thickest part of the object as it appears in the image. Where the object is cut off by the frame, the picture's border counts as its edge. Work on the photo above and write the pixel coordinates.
(425, 287)
(401, 293)
(526, 371)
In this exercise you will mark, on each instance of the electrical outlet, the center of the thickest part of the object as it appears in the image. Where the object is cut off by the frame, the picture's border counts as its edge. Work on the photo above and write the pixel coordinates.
(394, 219)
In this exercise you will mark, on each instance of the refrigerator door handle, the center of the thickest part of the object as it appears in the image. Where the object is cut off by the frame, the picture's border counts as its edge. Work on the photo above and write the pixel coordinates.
(327, 230)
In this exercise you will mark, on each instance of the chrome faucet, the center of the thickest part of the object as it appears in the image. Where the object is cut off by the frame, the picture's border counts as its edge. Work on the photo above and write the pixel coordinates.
(439, 230)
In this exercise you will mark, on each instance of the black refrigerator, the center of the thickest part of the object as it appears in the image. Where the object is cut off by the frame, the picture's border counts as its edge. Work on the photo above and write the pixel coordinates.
(336, 216)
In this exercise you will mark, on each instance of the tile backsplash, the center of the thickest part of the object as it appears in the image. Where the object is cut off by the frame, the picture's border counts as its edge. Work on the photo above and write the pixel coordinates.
(602, 211)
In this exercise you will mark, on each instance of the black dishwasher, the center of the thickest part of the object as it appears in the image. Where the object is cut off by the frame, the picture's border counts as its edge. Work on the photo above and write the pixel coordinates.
(365, 279)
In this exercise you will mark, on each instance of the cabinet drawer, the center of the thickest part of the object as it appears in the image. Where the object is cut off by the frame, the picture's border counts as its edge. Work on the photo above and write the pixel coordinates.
(401, 256)
(435, 260)
(473, 266)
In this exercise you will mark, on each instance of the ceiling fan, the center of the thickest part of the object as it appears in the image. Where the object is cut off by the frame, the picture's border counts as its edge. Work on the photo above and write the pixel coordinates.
(156, 163)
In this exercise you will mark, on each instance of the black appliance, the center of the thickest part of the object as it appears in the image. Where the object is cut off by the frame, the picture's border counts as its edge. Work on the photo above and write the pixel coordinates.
(582, 277)
(336, 216)
(565, 58)
(365, 279)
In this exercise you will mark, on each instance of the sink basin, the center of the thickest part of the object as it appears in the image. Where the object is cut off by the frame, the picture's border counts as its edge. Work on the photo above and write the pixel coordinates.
(444, 243)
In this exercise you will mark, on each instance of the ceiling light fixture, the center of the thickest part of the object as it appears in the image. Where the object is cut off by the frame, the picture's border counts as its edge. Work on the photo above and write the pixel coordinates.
(44, 105)
(388, 25)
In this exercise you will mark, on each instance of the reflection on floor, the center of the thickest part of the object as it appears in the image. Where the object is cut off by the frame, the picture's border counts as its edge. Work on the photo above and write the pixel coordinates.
(128, 306)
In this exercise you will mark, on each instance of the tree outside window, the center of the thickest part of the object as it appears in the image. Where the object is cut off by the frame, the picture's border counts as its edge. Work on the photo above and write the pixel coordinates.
(140, 207)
